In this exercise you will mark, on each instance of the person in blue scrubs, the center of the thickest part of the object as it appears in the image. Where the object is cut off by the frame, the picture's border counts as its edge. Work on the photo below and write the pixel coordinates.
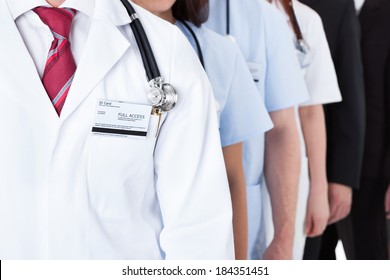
(241, 111)
(264, 38)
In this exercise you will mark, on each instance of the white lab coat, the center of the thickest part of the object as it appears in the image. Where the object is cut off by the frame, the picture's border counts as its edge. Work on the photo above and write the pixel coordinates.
(68, 194)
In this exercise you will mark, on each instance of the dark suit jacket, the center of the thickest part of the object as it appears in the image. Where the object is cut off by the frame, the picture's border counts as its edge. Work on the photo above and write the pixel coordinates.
(375, 25)
(345, 121)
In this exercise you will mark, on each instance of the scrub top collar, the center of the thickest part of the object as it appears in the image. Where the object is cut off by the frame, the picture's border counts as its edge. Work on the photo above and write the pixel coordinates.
(17, 8)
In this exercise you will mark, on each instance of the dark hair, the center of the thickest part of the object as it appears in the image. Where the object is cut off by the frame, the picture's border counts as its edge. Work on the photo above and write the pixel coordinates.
(194, 11)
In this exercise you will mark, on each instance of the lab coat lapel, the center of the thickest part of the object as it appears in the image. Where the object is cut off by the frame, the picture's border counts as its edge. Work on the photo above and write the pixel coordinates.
(104, 47)
(15, 59)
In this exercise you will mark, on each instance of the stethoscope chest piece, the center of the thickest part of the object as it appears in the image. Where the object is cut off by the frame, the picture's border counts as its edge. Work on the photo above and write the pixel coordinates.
(162, 95)
(170, 97)
(304, 54)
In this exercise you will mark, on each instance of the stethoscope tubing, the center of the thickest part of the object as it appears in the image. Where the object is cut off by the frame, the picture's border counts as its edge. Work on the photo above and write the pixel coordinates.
(198, 47)
(227, 17)
(148, 59)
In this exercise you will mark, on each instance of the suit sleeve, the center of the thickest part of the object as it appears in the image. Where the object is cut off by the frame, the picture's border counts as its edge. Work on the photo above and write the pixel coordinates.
(387, 94)
(346, 120)
(190, 174)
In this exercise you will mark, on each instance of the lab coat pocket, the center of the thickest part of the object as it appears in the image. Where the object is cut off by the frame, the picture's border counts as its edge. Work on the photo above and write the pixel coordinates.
(121, 172)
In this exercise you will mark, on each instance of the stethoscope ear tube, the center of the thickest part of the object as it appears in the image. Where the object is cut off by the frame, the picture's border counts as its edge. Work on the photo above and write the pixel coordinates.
(198, 47)
(227, 17)
(148, 58)
(161, 95)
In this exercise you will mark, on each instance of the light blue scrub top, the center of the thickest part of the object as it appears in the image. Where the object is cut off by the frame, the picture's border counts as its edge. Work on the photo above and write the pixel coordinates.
(241, 111)
(264, 38)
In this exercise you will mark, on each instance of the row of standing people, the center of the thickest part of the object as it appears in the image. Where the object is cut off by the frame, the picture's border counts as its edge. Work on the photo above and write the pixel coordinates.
(67, 193)
(331, 136)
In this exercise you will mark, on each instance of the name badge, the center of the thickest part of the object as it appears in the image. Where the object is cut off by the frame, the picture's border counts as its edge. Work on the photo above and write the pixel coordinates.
(116, 118)
(256, 70)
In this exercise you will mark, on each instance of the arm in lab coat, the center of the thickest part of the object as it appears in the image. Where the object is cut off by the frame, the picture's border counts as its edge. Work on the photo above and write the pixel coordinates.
(190, 174)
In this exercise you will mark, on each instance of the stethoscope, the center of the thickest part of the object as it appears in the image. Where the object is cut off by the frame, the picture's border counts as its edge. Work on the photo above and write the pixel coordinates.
(228, 35)
(300, 43)
(162, 96)
(198, 47)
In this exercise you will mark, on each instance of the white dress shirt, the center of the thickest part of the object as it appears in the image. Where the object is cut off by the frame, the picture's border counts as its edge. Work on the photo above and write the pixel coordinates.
(358, 5)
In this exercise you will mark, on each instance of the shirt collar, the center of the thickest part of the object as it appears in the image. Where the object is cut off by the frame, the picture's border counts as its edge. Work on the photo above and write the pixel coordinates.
(359, 5)
(17, 7)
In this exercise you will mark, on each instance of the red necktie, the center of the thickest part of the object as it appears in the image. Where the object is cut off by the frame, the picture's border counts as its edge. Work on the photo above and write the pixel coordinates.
(60, 65)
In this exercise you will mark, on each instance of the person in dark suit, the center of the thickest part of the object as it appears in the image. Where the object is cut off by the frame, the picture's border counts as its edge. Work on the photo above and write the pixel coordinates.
(368, 211)
(387, 210)
(345, 122)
